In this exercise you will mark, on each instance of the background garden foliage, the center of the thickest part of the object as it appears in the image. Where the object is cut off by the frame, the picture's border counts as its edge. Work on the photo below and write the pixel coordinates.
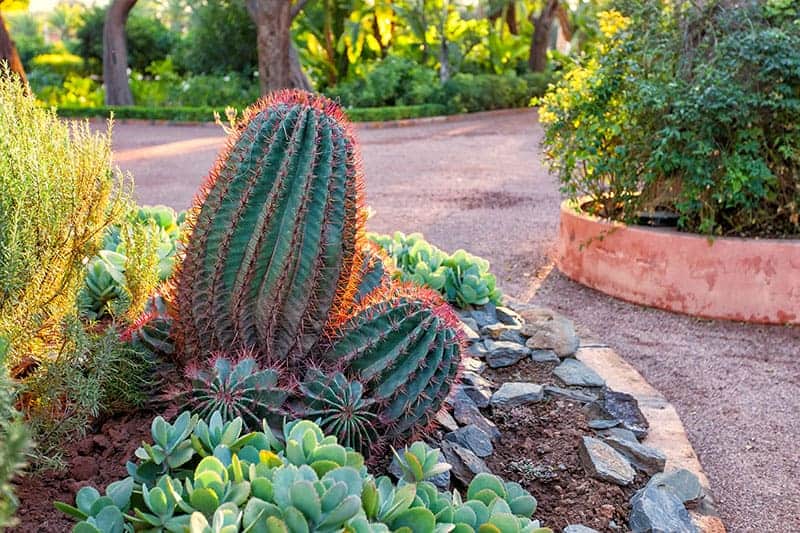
(364, 53)
(692, 110)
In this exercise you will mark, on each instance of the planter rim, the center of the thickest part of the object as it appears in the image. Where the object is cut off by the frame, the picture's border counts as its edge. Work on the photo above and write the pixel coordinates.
(731, 278)
(573, 207)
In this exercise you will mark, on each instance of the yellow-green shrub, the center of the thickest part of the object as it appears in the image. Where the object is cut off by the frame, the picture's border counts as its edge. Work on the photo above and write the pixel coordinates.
(59, 193)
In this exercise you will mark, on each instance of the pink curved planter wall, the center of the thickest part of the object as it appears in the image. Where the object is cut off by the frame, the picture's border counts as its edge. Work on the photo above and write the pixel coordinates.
(753, 280)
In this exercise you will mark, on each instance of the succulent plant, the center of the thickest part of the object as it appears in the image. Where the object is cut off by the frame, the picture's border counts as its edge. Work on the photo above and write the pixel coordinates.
(234, 387)
(419, 462)
(340, 408)
(104, 284)
(463, 279)
(171, 447)
(152, 329)
(275, 233)
(306, 482)
(404, 345)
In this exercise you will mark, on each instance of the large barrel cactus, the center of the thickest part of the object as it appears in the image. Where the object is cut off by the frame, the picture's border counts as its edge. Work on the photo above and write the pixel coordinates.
(277, 264)
(274, 232)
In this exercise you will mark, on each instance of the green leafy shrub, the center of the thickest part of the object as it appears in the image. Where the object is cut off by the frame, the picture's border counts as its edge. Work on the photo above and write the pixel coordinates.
(482, 92)
(697, 116)
(204, 477)
(463, 279)
(13, 441)
(61, 63)
(89, 374)
(390, 82)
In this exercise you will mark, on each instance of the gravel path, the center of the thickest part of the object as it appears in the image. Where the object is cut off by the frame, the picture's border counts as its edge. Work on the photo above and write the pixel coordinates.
(478, 183)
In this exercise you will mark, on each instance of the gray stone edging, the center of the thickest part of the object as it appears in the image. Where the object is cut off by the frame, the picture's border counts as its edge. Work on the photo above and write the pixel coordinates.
(666, 432)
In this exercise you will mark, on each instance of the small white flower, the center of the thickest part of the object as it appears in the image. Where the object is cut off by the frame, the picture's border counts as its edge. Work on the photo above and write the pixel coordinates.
(255, 74)
(129, 71)
(226, 78)
(157, 78)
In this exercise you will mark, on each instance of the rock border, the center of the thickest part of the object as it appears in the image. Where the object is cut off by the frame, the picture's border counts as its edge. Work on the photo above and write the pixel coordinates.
(666, 431)
(636, 429)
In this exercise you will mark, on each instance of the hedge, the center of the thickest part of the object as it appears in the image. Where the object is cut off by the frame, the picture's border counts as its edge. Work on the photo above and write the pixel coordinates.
(206, 114)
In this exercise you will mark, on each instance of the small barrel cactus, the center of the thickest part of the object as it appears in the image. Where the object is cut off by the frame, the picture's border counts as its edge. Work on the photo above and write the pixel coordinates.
(235, 387)
(404, 345)
(275, 231)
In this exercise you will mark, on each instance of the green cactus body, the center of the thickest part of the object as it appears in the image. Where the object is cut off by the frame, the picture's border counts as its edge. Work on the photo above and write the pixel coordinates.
(405, 347)
(275, 232)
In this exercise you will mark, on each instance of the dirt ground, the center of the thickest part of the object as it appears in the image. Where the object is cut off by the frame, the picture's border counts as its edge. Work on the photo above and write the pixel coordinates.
(479, 183)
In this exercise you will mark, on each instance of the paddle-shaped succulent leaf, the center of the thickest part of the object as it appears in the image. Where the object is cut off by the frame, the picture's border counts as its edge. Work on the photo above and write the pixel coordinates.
(419, 462)
(171, 446)
(274, 233)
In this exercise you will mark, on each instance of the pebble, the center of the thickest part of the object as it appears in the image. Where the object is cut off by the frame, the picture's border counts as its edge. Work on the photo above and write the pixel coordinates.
(575, 373)
(658, 510)
(504, 353)
(472, 438)
(620, 433)
(472, 364)
(484, 315)
(603, 462)
(513, 394)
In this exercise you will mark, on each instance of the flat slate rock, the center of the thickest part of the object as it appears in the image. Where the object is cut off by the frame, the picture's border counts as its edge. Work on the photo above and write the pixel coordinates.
(465, 464)
(570, 394)
(579, 528)
(620, 433)
(575, 373)
(473, 364)
(600, 423)
(683, 483)
(658, 510)
(645, 458)
(549, 330)
(466, 413)
(477, 350)
(446, 420)
(504, 353)
(544, 356)
(484, 315)
(625, 408)
(603, 462)
(516, 393)
(470, 329)
(473, 438)
(507, 316)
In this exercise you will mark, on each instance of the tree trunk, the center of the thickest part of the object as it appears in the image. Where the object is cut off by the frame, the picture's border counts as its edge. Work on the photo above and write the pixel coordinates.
(537, 61)
(115, 54)
(444, 49)
(278, 61)
(511, 17)
(8, 52)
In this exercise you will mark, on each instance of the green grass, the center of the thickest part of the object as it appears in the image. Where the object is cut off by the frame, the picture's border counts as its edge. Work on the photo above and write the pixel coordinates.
(206, 114)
